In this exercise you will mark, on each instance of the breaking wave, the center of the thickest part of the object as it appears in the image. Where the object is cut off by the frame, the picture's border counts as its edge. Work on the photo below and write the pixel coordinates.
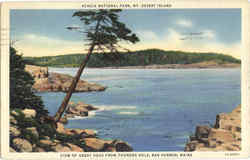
(101, 108)
(129, 113)
(114, 107)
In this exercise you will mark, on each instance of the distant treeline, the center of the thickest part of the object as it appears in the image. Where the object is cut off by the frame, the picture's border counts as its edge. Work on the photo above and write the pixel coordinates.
(137, 58)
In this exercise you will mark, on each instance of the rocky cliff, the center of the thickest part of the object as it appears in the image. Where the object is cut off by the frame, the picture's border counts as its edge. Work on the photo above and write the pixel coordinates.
(224, 136)
(55, 82)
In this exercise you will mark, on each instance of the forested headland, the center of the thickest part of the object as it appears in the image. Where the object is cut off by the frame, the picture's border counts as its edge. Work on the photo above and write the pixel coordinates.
(136, 58)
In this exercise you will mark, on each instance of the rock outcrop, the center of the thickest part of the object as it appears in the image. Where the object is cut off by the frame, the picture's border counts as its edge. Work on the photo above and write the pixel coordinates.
(28, 134)
(78, 110)
(46, 81)
(29, 113)
(224, 136)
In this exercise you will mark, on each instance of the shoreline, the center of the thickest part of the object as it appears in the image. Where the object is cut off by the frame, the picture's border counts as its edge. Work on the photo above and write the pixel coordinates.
(169, 67)
(36, 137)
(46, 81)
(202, 65)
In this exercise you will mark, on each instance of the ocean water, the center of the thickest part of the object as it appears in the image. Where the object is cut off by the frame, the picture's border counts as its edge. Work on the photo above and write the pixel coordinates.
(152, 110)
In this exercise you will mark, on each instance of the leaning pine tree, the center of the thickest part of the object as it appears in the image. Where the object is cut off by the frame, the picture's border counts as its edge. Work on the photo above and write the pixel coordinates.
(104, 32)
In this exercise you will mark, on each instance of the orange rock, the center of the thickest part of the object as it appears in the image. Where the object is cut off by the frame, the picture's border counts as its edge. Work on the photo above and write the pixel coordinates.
(90, 132)
(45, 142)
(221, 135)
(75, 148)
(39, 149)
(60, 128)
(94, 144)
(61, 148)
(76, 131)
(45, 81)
(225, 136)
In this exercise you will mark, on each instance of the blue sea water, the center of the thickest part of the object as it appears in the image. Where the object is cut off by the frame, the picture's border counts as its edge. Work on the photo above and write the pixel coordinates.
(152, 110)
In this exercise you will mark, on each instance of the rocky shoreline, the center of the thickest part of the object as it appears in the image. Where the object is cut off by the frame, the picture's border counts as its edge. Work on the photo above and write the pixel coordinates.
(28, 134)
(225, 135)
(46, 81)
(33, 132)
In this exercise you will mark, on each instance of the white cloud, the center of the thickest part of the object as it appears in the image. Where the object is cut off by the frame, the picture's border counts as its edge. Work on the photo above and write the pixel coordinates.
(209, 34)
(184, 23)
(40, 45)
(172, 40)
(147, 35)
(36, 39)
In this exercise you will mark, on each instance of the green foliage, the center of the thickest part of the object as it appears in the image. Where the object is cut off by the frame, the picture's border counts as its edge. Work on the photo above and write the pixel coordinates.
(107, 30)
(74, 139)
(27, 134)
(21, 94)
(104, 31)
(138, 58)
(22, 121)
(46, 130)
(26, 122)
(16, 110)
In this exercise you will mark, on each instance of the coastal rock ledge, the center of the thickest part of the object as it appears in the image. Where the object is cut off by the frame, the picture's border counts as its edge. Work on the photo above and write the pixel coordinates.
(46, 81)
(79, 109)
(224, 136)
(29, 134)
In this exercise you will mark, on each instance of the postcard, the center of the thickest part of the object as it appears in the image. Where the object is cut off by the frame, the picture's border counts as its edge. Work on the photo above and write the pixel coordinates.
(125, 80)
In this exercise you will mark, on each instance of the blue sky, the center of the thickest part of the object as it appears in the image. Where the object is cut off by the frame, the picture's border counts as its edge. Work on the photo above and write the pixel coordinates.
(44, 33)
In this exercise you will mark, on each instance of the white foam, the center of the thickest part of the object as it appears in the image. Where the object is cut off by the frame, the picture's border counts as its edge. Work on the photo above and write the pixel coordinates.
(114, 107)
(77, 117)
(108, 108)
(90, 115)
(129, 113)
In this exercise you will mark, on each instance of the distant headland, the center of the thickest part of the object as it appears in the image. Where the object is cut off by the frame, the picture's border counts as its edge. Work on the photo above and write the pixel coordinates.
(143, 59)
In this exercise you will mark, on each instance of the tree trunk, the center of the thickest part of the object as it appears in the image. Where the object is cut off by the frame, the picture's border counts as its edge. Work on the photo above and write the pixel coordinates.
(65, 102)
(66, 99)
